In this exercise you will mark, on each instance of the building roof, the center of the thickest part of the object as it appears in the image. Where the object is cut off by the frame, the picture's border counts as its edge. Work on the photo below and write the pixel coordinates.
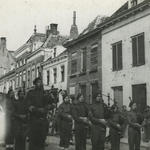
(54, 40)
(122, 13)
(121, 9)
(88, 31)
(93, 25)
(39, 36)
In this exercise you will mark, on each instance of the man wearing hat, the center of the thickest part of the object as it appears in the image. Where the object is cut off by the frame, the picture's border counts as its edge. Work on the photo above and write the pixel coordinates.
(134, 130)
(37, 107)
(98, 114)
(65, 122)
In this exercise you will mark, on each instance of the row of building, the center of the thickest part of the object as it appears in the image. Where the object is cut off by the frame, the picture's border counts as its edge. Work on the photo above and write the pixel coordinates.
(111, 56)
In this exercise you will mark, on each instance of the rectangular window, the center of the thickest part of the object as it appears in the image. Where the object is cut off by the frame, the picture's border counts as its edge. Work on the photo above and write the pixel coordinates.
(139, 96)
(117, 56)
(94, 56)
(73, 63)
(138, 50)
(133, 3)
(28, 78)
(17, 80)
(94, 91)
(48, 77)
(20, 79)
(20, 63)
(118, 95)
(38, 71)
(24, 75)
(83, 60)
(33, 75)
(62, 73)
(55, 75)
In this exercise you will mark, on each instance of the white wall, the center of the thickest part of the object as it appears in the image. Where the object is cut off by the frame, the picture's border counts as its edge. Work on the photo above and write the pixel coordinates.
(50, 67)
(128, 75)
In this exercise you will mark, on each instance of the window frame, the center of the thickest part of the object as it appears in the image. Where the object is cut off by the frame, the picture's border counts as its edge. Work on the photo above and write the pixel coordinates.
(137, 63)
(95, 65)
(62, 75)
(74, 59)
(116, 61)
(55, 75)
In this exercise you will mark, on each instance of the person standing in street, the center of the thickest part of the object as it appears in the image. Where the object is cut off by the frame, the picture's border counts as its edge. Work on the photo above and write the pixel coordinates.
(135, 120)
(20, 121)
(80, 115)
(124, 114)
(115, 123)
(65, 123)
(98, 114)
(146, 124)
(37, 106)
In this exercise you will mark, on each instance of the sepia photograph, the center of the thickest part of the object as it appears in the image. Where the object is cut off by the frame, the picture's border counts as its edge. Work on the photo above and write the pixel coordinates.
(74, 74)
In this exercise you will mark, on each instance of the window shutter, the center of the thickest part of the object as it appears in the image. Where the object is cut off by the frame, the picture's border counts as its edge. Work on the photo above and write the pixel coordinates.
(141, 50)
(84, 60)
(114, 57)
(73, 66)
(134, 51)
(119, 48)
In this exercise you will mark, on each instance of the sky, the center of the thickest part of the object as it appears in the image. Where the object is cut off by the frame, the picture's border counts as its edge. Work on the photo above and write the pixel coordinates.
(18, 17)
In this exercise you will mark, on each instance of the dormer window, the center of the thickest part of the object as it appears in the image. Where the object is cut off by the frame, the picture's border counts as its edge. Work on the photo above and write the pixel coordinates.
(134, 3)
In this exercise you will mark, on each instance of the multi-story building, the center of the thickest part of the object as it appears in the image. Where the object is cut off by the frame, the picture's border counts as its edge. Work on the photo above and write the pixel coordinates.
(50, 48)
(37, 49)
(22, 55)
(55, 72)
(125, 54)
(84, 62)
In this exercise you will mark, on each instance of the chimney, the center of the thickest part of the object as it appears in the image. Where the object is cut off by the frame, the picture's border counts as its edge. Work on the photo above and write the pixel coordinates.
(3, 42)
(74, 28)
(74, 18)
(47, 31)
(53, 29)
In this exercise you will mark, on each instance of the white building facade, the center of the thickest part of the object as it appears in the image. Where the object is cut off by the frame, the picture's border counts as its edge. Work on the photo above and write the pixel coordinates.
(55, 72)
(126, 56)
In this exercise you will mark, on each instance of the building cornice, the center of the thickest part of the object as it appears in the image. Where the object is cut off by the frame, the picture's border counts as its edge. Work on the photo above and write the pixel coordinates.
(57, 59)
(22, 48)
(82, 37)
(12, 72)
(124, 15)
(34, 53)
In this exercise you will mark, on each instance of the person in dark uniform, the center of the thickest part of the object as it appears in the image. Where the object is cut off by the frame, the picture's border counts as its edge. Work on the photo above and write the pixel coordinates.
(65, 127)
(20, 121)
(135, 120)
(124, 114)
(98, 114)
(9, 110)
(115, 122)
(37, 105)
(80, 115)
(146, 124)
